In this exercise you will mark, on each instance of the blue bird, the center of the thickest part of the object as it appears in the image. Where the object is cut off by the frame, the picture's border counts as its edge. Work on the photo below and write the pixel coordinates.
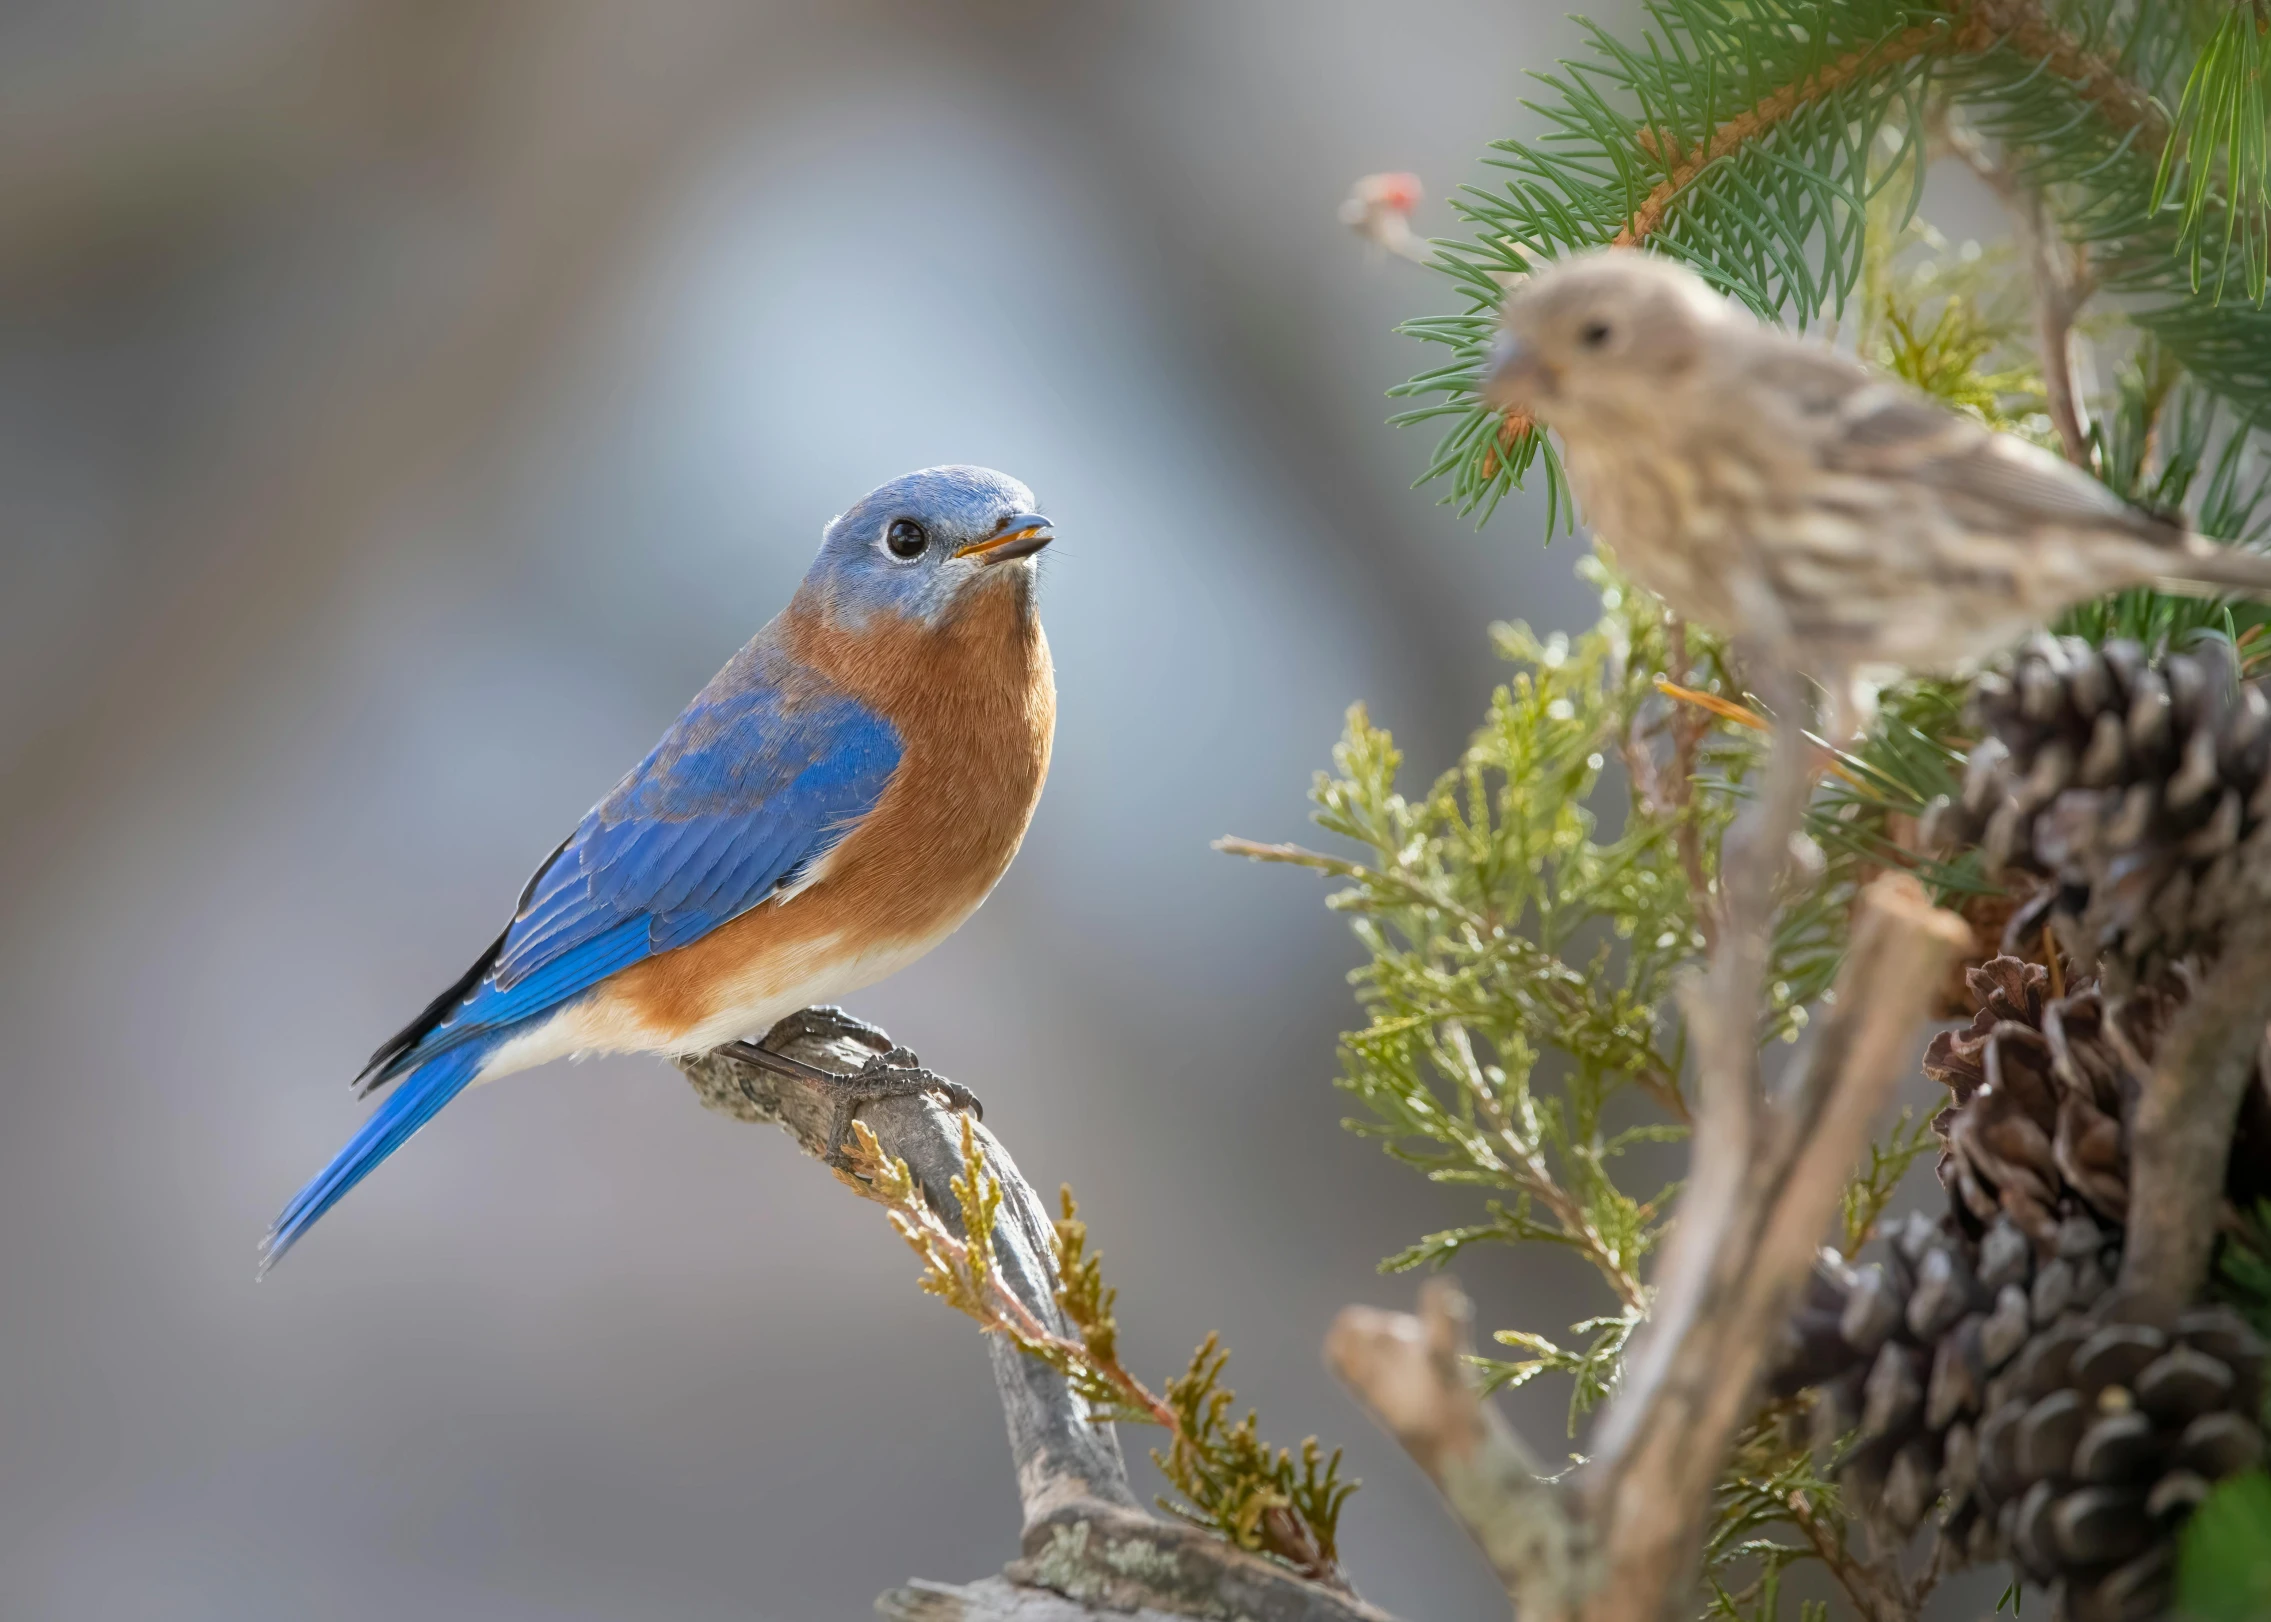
(838, 799)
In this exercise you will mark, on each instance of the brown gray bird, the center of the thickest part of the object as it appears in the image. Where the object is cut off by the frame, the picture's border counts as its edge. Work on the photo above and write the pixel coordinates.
(1766, 486)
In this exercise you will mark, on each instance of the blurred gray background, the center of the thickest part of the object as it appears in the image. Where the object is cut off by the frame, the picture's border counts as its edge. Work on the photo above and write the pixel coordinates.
(403, 408)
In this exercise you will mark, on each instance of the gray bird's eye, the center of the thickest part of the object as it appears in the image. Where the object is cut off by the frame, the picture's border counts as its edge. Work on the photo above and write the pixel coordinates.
(906, 538)
(1593, 334)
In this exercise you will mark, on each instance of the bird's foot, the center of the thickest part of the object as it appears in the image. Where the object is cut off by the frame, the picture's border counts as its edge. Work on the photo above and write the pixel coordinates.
(891, 1071)
(895, 1073)
(826, 1022)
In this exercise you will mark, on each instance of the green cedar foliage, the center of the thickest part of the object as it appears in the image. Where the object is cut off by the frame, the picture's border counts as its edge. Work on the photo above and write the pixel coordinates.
(1526, 917)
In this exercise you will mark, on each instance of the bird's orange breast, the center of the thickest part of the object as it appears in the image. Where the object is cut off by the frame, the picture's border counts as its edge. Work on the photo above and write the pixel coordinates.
(974, 702)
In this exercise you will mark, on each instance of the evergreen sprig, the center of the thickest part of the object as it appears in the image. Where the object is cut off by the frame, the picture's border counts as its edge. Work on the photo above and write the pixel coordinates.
(2222, 134)
(1270, 1501)
(1509, 941)
(1766, 1483)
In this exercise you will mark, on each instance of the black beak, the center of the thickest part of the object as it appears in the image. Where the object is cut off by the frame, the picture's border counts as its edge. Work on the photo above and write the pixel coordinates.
(1020, 535)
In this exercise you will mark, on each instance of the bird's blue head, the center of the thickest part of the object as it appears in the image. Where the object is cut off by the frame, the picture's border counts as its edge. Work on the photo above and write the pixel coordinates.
(921, 545)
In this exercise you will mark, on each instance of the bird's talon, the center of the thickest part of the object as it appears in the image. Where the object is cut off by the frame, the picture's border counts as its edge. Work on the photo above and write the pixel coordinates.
(895, 1074)
(825, 1022)
(960, 1097)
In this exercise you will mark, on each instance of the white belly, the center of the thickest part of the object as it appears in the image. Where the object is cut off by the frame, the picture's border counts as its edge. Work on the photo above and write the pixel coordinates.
(598, 1023)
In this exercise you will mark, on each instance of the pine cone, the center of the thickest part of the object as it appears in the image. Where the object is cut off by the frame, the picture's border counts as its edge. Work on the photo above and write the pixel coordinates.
(2098, 1439)
(2040, 1091)
(2044, 1432)
(2137, 790)
(1899, 1353)
(1933, 1361)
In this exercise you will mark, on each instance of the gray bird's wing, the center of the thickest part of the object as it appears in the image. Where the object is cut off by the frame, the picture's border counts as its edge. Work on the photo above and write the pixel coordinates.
(1990, 480)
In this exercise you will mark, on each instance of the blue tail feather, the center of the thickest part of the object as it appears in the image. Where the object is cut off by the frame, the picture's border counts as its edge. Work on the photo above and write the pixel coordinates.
(416, 1099)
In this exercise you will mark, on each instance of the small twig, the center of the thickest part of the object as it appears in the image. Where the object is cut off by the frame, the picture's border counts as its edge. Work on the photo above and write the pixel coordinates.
(1356, 873)
(1062, 1458)
(1688, 729)
(1874, 1586)
(2063, 283)
(1529, 1173)
(1722, 1010)
(1724, 708)
(961, 1273)
(873, 1175)
(1413, 1374)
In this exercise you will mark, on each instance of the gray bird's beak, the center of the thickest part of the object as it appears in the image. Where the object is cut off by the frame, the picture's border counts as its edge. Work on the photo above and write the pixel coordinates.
(1019, 536)
(1514, 375)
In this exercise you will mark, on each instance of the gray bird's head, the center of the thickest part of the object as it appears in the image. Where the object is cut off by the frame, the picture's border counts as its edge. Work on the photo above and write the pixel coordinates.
(1591, 339)
(927, 543)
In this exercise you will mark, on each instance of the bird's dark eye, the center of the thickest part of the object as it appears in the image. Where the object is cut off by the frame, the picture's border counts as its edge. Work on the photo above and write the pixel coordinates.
(906, 538)
(1593, 334)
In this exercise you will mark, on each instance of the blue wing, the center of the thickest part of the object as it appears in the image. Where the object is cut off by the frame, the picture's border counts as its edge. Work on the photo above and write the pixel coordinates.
(751, 787)
(756, 782)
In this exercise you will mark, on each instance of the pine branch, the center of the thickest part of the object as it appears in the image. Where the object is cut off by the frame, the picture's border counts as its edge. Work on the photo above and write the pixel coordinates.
(2225, 113)
(1744, 140)
(1766, 197)
(1684, 164)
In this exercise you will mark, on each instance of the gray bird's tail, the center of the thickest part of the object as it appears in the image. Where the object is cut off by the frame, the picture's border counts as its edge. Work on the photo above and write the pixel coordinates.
(2221, 568)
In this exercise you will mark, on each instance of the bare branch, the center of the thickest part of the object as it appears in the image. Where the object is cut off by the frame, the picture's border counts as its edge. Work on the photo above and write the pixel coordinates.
(1412, 1373)
(2183, 1135)
(1089, 1549)
(1060, 1457)
(991, 1599)
(1747, 1248)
